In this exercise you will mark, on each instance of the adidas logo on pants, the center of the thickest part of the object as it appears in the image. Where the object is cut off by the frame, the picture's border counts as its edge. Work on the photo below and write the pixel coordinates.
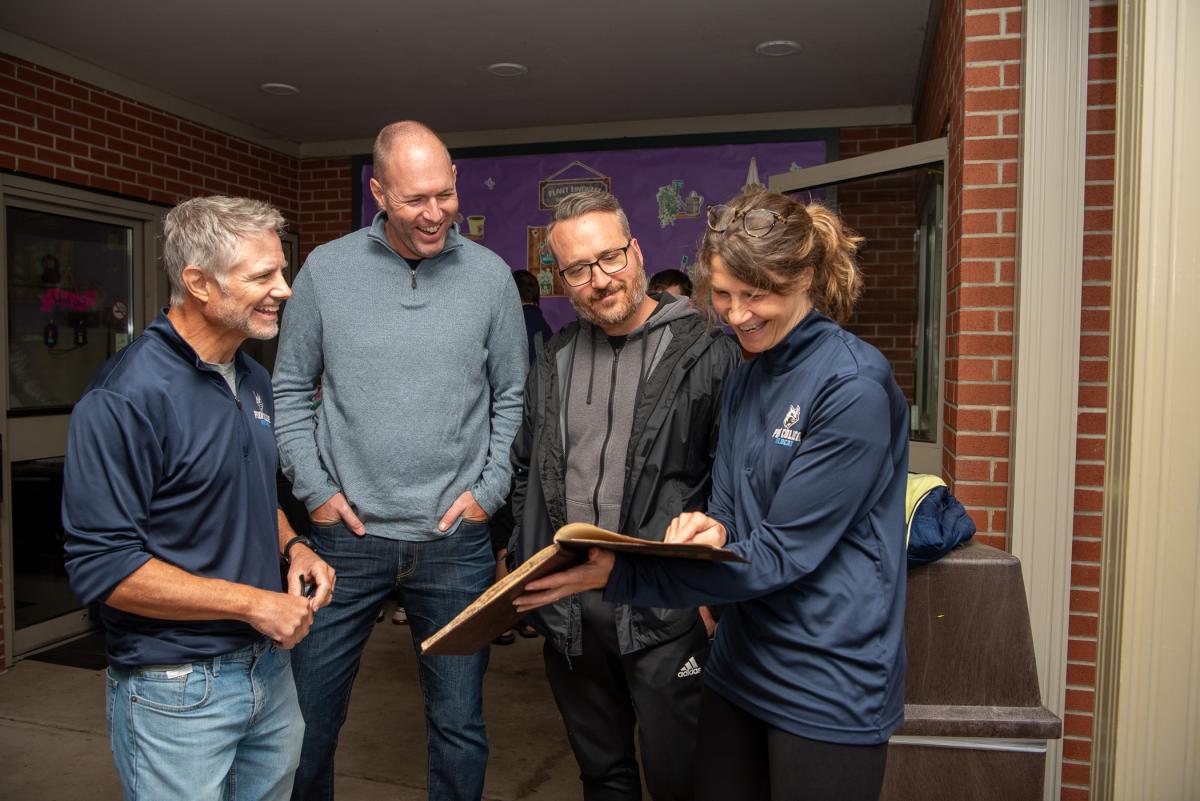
(690, 668)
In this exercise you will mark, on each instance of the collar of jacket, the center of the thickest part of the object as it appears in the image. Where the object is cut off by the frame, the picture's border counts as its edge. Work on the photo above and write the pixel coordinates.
(162, 329)
(378, 233)
(793, 349)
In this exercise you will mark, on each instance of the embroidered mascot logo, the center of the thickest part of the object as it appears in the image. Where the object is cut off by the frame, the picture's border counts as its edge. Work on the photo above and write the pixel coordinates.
(260, 413)
(785, 436)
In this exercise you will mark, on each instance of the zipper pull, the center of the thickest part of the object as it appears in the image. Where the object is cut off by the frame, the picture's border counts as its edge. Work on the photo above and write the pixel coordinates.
(414, 276)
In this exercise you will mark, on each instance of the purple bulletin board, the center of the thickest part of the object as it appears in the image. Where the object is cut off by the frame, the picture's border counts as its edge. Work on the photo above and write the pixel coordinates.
(504, 198)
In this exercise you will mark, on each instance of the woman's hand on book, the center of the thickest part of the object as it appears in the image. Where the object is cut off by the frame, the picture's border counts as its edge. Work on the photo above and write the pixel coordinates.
(697, 528)
(591, 575)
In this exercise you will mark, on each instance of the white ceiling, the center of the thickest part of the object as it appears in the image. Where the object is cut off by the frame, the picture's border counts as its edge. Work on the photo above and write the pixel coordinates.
(362, 63)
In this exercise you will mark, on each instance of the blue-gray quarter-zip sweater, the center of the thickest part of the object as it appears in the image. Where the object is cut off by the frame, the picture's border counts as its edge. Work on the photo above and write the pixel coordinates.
(421, 370)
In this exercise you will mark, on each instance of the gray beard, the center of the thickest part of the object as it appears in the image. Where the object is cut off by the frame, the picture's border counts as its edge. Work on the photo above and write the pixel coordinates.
(637, 295)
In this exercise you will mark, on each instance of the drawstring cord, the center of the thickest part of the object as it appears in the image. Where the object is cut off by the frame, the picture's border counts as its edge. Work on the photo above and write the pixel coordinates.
(592, 369)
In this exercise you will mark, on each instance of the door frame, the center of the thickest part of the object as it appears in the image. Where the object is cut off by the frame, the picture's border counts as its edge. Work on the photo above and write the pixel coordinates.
(150, 288)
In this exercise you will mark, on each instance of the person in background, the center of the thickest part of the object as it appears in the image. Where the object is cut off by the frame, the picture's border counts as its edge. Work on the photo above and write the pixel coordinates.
(173, 524)
(805, 682)
(399, 616)
(415, 333)
(536, 327)
(674, 282)
(619, 431)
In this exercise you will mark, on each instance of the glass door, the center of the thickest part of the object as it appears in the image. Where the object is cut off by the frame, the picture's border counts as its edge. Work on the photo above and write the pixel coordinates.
(75, 292)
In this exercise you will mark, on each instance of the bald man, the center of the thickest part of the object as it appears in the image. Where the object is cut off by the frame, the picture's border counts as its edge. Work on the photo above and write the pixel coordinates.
(417, 339)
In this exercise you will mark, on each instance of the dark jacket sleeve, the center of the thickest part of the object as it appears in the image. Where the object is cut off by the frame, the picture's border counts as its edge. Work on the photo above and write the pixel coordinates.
(112, 466)
(829, 484)
(521, 455)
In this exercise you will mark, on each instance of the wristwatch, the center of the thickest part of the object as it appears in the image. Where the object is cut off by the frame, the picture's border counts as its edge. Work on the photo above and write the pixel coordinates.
(287, 549)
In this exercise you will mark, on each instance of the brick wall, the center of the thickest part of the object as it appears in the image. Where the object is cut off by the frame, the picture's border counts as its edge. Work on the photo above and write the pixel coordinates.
(884, 211)
(326, 204)
(1093, 399)
(54, 126)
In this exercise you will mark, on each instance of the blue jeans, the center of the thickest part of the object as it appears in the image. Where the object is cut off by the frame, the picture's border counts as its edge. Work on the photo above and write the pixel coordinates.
(437, 580)
(225, 728)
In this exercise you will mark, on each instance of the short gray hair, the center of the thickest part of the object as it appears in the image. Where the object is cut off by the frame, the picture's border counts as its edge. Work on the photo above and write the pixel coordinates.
(589, 201)
(205, 232)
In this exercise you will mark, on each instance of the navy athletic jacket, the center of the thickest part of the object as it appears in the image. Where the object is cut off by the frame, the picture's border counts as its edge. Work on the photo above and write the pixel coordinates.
(809, 482)
(162, 461)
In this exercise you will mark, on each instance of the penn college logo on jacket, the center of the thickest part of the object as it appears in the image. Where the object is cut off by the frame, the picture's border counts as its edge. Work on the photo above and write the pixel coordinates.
(785, 435)
(259, 411)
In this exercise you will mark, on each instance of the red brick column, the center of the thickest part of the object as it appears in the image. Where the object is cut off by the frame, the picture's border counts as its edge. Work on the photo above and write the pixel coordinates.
(979, 334)
(1093, 400)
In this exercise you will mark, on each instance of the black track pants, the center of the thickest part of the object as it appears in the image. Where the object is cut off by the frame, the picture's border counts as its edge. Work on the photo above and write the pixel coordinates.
(602, 694)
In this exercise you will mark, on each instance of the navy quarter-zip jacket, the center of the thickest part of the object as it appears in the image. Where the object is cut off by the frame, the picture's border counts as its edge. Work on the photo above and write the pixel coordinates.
(809, 483)
(163, 461)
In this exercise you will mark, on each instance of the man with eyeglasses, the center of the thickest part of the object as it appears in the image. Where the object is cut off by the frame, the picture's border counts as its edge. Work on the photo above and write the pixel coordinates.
(417, 338)
(619, 431)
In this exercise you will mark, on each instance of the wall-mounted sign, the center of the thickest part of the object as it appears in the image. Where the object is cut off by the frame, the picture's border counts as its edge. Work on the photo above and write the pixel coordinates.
(555, 188)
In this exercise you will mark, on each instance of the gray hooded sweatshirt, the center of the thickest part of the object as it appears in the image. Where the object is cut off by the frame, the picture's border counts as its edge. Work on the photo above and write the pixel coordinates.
(422, 371)
(606, 379)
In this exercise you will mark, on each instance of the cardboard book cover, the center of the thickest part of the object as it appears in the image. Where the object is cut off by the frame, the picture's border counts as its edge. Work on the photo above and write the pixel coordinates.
(493, 613)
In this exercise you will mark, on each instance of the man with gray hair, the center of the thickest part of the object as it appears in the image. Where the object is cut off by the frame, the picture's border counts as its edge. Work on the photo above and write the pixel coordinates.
(619, 431)
(173, 526)
(416, 336)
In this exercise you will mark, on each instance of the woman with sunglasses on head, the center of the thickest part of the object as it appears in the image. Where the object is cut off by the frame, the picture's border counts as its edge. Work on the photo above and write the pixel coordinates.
(805, 680)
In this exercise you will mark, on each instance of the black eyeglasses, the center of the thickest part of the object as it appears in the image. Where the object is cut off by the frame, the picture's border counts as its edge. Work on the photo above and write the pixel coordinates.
(610, 261)
(755, 222)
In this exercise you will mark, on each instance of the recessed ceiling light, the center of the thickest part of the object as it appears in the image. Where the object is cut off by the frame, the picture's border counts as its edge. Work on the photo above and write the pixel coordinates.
(777, 47)
(279, 89)
(507, 69)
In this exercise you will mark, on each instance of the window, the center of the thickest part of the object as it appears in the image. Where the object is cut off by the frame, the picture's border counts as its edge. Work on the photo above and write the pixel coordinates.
(895, 200)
